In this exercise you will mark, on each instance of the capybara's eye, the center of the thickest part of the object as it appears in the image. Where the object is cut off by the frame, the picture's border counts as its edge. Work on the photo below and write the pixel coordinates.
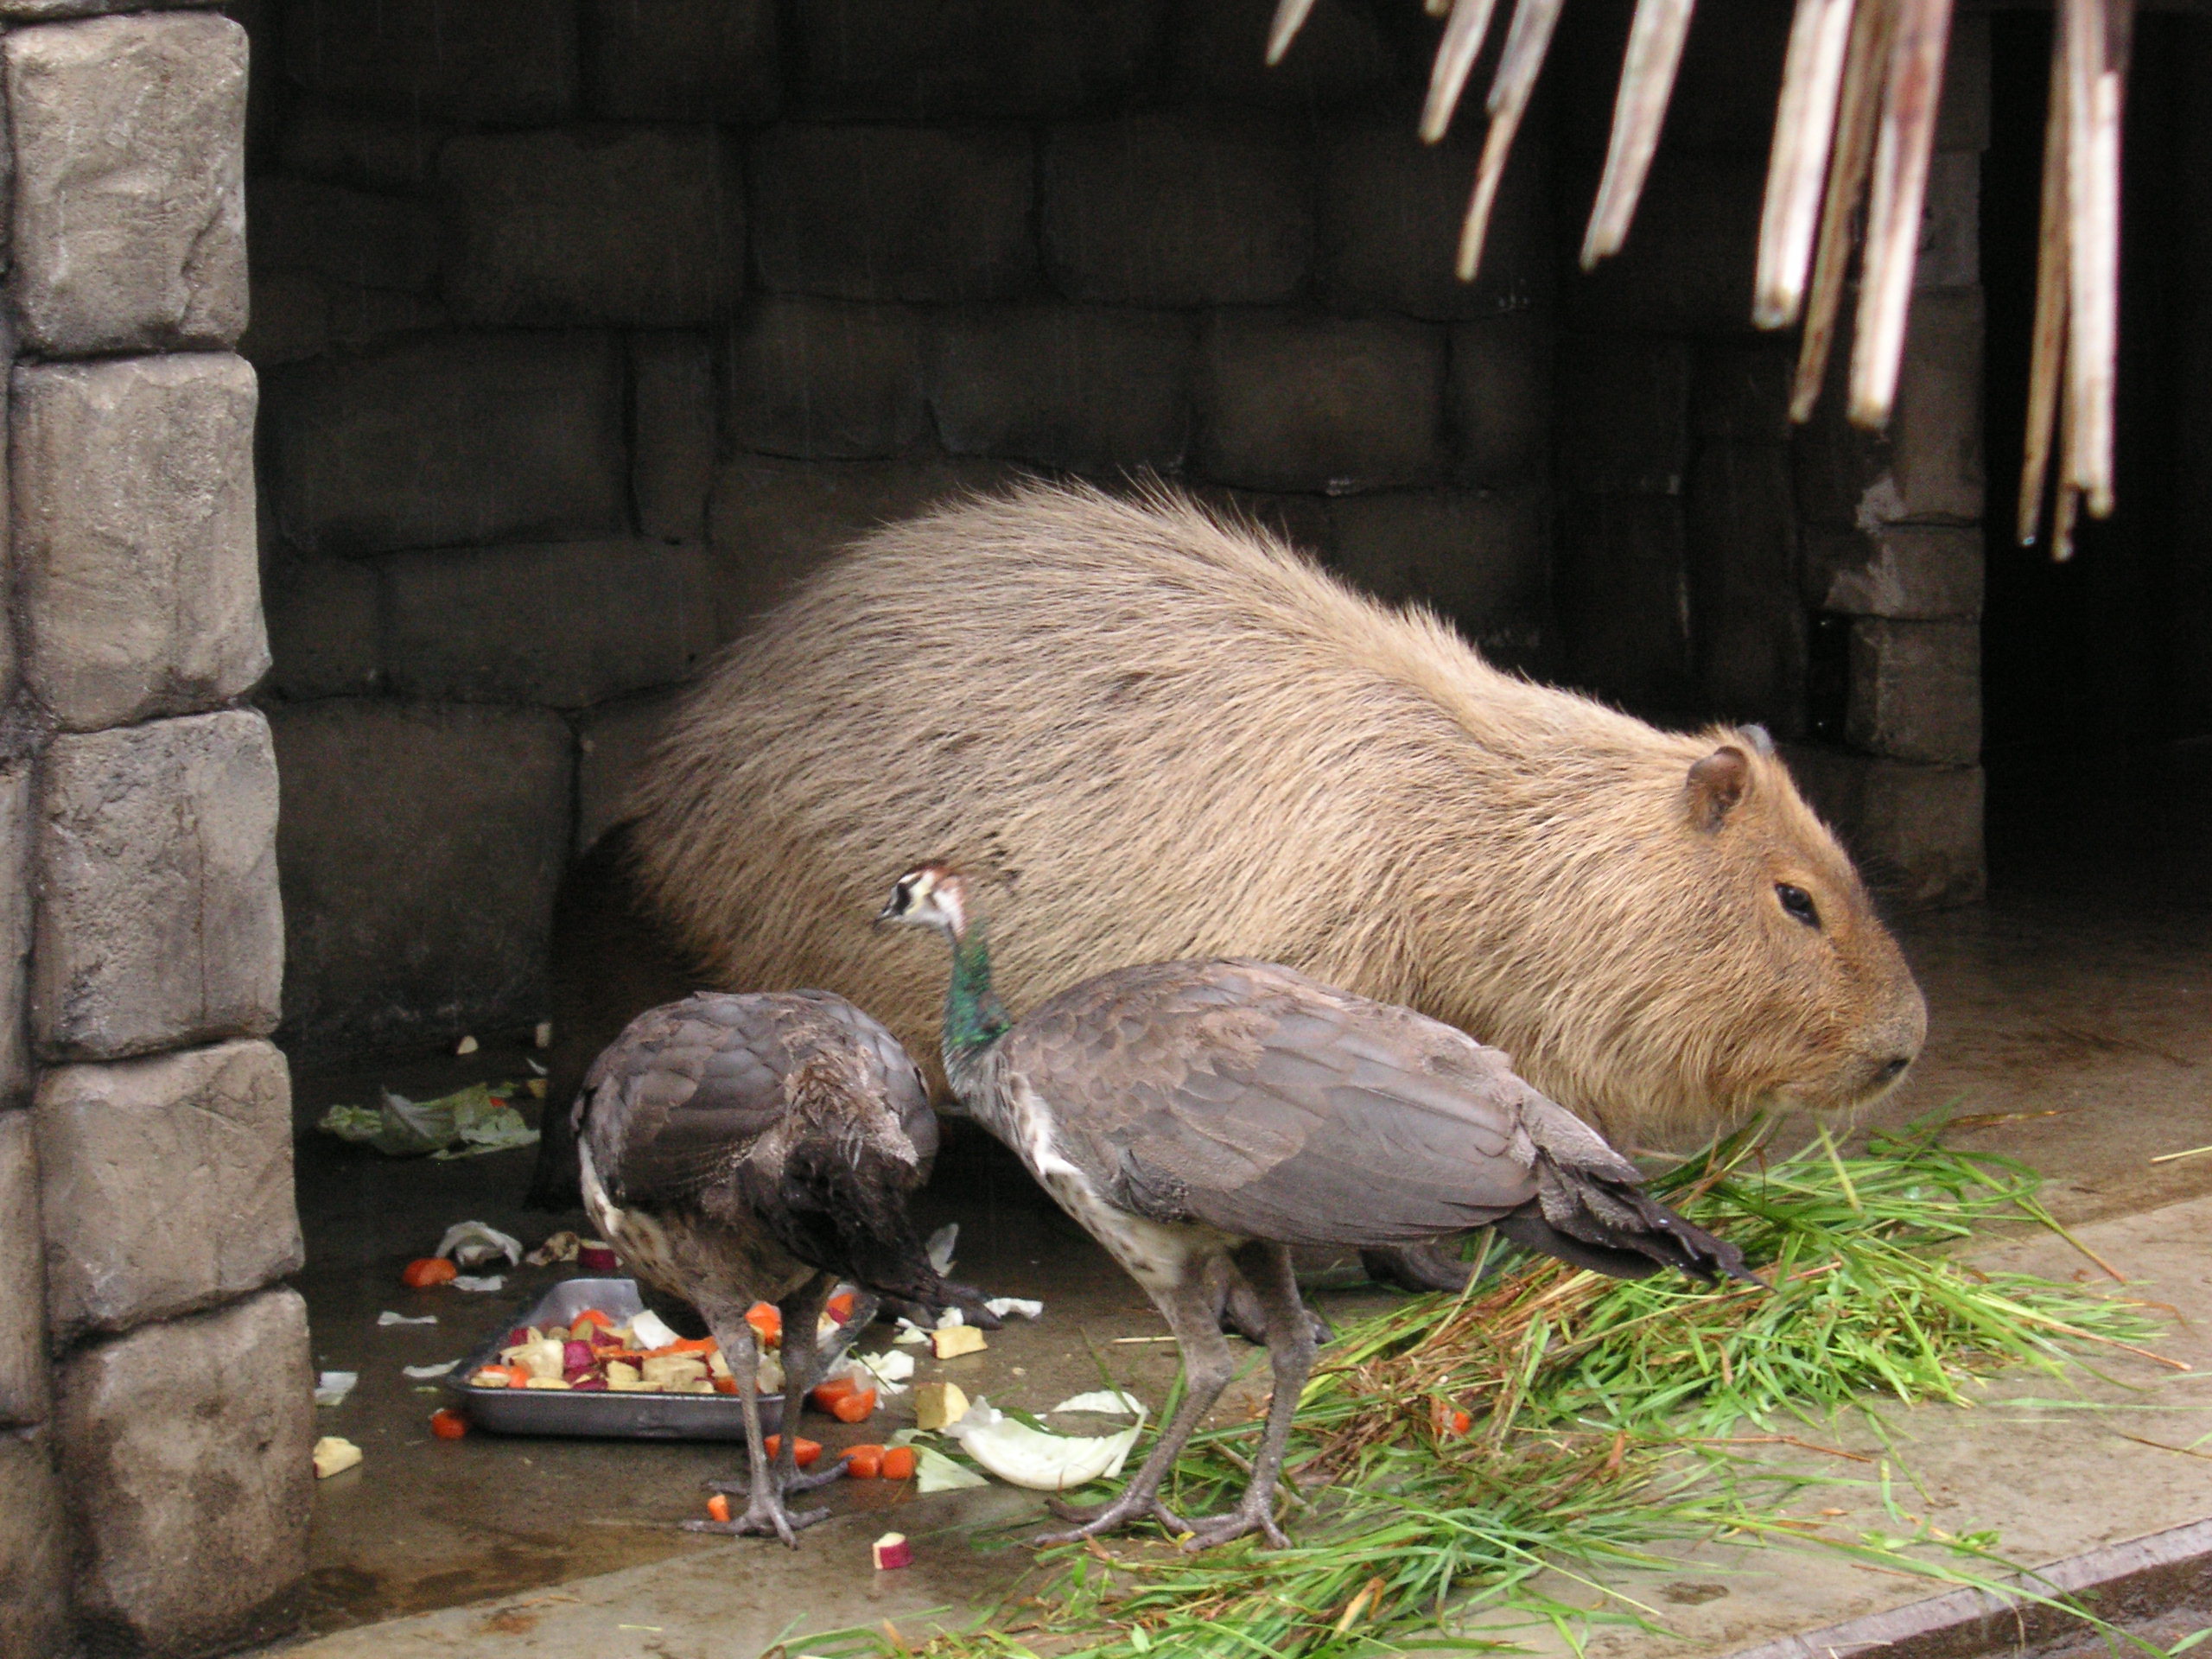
(1799, 903)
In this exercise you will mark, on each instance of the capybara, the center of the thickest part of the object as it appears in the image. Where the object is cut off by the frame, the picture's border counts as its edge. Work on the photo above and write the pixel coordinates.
(1174, 737)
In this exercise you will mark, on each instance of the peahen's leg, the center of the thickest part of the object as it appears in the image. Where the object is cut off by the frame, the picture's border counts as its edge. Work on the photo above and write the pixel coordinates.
(1290, 1347)
(1193, 1314)
(803, 1367)
(765, 1514)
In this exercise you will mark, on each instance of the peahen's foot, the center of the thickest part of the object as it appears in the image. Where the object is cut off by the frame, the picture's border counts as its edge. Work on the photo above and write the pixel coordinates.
(1246, 1517)
(739, 1486)
(1417, 1267)
(1108, 1517)
(763, 1517)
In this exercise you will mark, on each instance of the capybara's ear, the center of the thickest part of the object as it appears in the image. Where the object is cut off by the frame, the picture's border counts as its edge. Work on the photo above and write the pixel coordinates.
(1716, 784)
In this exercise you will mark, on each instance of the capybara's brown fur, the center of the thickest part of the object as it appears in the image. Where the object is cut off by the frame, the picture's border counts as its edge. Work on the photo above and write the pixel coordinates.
(1167, 735)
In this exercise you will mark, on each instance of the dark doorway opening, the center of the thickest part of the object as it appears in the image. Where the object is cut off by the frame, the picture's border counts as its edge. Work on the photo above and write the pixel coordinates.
(2097, 678)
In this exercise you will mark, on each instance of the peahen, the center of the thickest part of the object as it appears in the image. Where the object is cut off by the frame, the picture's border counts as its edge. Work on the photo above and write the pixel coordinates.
(737, 1149)
(1193, 1115)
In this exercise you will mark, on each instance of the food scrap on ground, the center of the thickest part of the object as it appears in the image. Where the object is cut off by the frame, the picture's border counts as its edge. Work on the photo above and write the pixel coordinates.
(952, 1341)
(426, 1271)
(333, 1456)
(718, 1509)
(471, 1120)
(558, 1247)
(447, 1424)
(389, 1318)
(471, 1244)
(424, 1373)
(331, 1387)
(937, 1404)
(893, 1552)
(1025, 1455)
(1110, 1403)
(1003, 1306)
(488, 1281)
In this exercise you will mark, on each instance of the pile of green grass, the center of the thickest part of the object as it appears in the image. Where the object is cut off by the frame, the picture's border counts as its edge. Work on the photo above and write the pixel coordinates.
(1605, 1418)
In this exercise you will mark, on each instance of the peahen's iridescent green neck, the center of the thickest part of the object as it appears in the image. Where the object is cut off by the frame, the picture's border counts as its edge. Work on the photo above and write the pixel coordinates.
(974, 1016)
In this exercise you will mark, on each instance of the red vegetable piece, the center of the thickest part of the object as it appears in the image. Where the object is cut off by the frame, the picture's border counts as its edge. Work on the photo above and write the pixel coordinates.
(575, 1355)
(428, 1270)
(447, 1424)
(588, 1385)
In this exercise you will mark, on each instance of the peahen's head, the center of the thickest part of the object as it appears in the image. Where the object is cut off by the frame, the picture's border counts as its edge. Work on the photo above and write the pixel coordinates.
(929, 895)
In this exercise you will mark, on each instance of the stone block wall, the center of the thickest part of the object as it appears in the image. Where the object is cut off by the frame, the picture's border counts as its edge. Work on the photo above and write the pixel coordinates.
(587, 326)
(155, 1410)
(1711, 560)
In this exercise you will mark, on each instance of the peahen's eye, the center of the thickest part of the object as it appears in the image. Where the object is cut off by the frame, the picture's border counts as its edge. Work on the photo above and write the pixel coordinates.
(1799, 903)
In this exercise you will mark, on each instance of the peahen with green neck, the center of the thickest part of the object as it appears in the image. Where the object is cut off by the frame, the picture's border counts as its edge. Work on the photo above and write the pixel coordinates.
(1193, 1115)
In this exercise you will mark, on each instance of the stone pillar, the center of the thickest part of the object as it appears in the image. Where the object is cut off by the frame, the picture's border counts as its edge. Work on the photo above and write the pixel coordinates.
(1893, 551)
(155, 1393)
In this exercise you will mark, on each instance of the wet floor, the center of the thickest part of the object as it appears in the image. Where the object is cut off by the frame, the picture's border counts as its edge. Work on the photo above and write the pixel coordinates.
(2069, 1029)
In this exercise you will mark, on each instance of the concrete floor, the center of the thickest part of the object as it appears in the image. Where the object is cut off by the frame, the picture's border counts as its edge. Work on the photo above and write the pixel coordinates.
(2069, 1028)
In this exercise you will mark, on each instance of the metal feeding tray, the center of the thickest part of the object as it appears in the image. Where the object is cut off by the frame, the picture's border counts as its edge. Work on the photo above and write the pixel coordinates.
(611, 1416)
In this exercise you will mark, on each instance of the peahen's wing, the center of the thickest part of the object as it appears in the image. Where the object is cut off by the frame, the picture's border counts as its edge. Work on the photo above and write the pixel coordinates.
(1249, 1098)
(684, 1093)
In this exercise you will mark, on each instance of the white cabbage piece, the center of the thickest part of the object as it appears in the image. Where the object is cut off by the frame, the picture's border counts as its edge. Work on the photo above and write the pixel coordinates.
(1037, 1458)
(1110, 1403)
(935, 1472)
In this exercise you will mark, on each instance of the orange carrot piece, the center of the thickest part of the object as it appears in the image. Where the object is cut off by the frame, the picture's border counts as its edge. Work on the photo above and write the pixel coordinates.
(767, 1323)
(447, 1424)
(841, 1307)
(427, 1271)
(718, 1509)
(725, 1384)
(855, 1407)
(899, 1463)
(863, 1462)
(589, 1316)
(806, 1452)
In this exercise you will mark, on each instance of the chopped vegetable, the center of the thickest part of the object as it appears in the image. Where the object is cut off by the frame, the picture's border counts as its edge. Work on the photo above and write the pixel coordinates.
(893, 1552)
(935, 1472)
(805, 1452)
(1110, 1403)
(937, 1404)
(1444, 1419)
(863, 1462)
(953, 1341)
(430, 1270)
(899, 1463)
(1036, 1458)
(589, 1316)
(839, 1306)
(447, 1424)
(334, 1456)
(767, 1322)
(843, 1398)
(718, 1509)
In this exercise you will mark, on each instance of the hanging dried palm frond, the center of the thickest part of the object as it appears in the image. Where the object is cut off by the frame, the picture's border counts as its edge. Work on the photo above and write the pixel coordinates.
(1856, 121)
